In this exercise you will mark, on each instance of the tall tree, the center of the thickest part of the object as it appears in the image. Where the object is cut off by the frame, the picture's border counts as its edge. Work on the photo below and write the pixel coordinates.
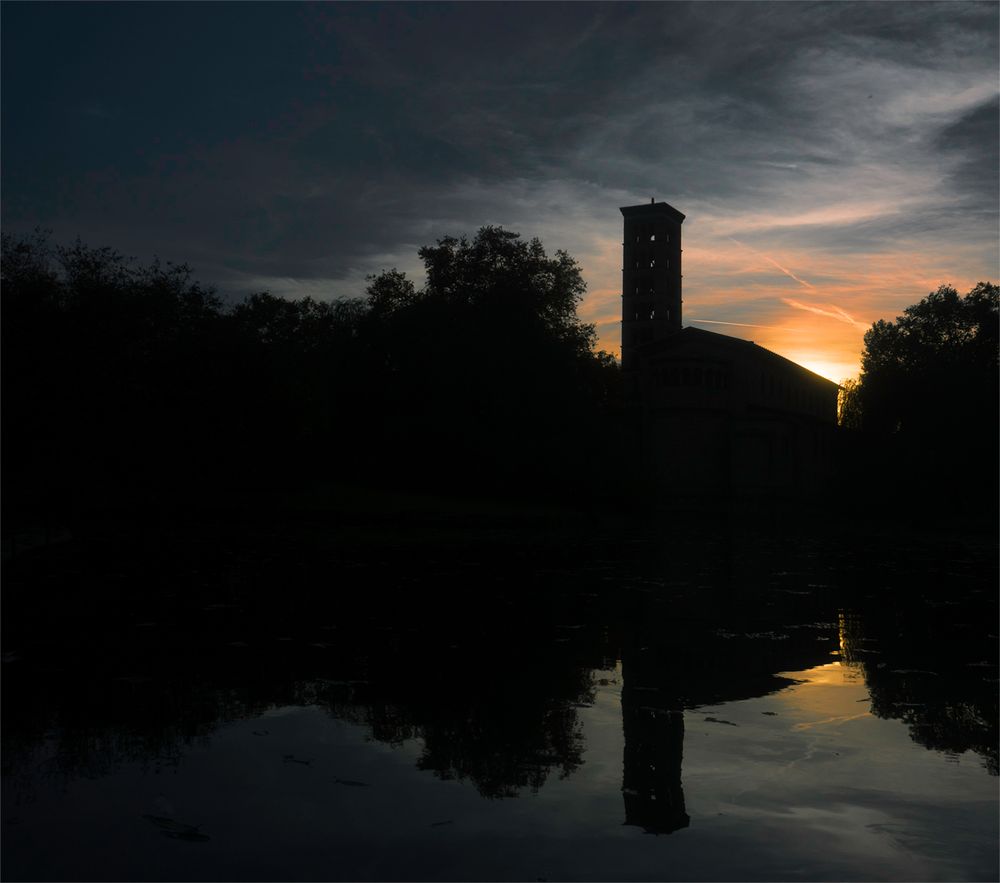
(936, 361)
(489, 364)
(512, 279)
(930, 381)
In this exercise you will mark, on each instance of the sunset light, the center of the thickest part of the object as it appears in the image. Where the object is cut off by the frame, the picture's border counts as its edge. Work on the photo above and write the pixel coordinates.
(435, 445)
(811, 306)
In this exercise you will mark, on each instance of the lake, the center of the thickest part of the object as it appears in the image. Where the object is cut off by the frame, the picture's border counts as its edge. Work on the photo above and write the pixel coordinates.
(708, 698)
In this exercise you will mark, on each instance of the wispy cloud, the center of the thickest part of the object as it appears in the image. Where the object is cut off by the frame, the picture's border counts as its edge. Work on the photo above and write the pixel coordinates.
(843, 153)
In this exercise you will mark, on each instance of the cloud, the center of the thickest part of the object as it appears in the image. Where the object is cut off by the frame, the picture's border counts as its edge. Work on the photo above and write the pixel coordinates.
(973, 147)
(850, 149)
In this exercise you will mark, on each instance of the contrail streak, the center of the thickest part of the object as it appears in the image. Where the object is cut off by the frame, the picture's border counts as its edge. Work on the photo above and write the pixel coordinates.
(770, 260)
(831, 311)
(741, 324)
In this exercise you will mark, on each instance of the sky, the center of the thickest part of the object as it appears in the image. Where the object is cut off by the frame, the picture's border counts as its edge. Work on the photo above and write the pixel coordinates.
(836, 161)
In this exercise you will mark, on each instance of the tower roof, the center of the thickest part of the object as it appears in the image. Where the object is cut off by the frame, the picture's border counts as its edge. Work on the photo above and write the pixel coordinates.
(652, 210)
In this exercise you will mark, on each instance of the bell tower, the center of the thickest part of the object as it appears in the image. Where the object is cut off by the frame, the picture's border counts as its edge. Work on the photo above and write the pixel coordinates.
(651, 276)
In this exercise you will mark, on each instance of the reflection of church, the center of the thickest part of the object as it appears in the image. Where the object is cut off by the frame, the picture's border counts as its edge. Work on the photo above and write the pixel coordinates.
(653, 727)
(675, 661)
(711, 413)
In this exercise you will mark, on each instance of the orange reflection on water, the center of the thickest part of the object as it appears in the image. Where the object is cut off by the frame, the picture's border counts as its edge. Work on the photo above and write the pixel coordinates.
(827, 695)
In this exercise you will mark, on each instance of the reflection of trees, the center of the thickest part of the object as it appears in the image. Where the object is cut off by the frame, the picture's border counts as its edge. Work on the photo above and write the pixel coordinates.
(927, 666)
(504, 752)
(85, 724)
(502, 747)
(966, 720)
(956, 727)
(492, 696)
(505, 721)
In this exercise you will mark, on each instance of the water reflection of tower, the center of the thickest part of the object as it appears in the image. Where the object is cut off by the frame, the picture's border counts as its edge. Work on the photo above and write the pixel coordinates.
(653, 726)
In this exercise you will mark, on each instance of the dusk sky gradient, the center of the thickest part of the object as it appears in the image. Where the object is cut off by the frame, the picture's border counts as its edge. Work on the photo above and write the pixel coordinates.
(836, 161)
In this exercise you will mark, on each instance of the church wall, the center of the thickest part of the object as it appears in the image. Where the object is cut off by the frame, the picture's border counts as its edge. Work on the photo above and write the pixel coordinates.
(710, 413)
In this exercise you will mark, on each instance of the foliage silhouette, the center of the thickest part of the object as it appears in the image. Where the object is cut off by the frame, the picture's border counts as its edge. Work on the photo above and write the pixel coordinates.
(115, 378)
(132, 387)
(935, 361)
(849, 405)
(487, 369)
(927, 399)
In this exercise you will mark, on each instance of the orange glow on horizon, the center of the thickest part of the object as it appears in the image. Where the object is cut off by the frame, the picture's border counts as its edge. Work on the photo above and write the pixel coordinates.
(809, 305)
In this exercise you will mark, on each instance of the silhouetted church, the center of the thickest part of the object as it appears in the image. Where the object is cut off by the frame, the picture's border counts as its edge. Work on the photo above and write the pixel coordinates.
(711, 413)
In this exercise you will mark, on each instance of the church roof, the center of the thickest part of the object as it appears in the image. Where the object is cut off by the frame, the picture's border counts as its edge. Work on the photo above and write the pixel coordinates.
(701, 339)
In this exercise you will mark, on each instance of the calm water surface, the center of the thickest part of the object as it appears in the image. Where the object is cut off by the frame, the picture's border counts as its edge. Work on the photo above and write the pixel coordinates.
(698, 704)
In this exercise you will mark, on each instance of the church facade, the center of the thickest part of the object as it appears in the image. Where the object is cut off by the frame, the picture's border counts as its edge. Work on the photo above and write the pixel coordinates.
(709, 412)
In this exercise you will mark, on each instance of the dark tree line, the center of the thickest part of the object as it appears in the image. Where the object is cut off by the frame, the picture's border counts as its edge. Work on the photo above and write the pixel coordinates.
(127, 386)
(132, 388)
(925, 408)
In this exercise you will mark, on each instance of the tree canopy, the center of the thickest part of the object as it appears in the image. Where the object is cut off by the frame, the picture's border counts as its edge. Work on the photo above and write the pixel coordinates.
(123, 382)
(488, 364)
(502, 274)
(929, 381)
(937, 360)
